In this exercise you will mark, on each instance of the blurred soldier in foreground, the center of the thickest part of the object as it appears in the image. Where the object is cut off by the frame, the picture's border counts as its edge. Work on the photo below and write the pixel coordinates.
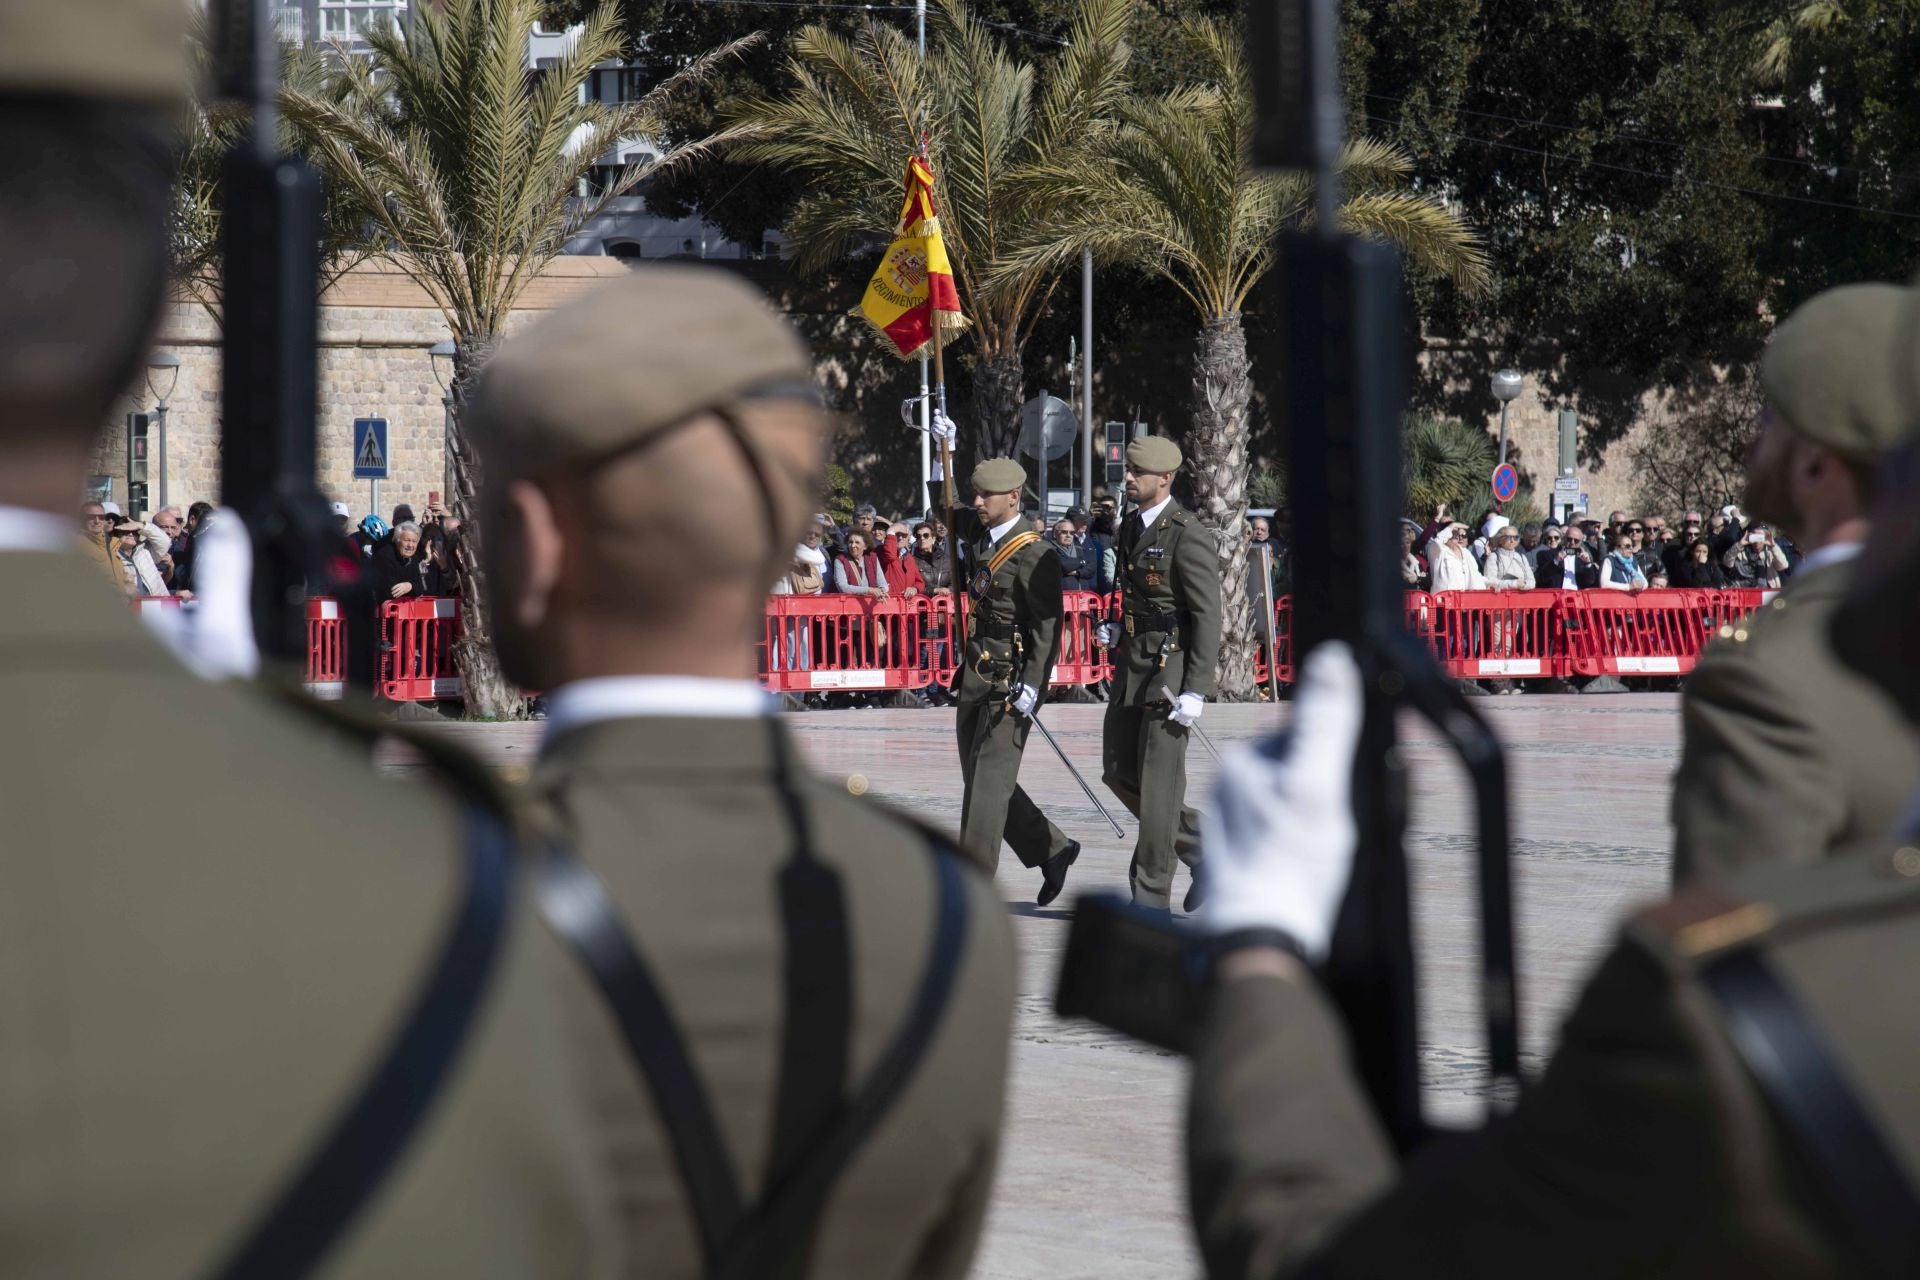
(1732, 1095)
(1788, 755)
(1013, 636)
(797, 971)
(1165, 645)
(194, 1000)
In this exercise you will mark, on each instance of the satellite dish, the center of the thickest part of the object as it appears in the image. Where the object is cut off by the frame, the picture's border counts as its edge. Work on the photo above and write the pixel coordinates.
(1047, 419)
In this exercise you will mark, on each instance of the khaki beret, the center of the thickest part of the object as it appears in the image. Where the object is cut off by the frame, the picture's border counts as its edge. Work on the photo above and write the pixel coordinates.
(118, 50)
(999, 475)
(1830, 370)
(1156, 455)
(623, 363)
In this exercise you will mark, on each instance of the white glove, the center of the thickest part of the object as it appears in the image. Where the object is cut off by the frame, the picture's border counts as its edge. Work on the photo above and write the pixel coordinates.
(1106, 634)
(1187, 708)
(1280, 836)
(942, 427)
(214, 634)
(1025, 699)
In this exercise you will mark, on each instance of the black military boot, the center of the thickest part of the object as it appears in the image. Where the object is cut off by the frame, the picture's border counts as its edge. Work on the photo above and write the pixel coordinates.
(1053, 872)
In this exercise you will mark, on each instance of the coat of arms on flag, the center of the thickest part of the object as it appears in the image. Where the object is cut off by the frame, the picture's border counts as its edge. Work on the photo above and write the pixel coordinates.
(913, 289)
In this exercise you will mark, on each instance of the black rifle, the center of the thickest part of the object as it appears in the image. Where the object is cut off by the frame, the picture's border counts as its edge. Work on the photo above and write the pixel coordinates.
(1340, 299)
(270, 276)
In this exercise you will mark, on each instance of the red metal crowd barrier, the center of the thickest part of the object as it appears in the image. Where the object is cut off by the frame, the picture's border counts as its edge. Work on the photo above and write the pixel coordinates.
(837, 643)
(326, 649)
(416, 650)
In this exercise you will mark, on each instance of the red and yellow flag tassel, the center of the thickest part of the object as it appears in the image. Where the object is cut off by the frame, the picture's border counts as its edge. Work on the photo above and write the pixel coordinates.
(913, 289)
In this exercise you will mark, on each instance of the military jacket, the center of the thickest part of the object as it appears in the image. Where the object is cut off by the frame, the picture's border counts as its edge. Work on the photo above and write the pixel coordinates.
(1787, 754)
(1013, 631)
(1646, 1150)
(214, 915)
(684, 821)
(1169, 576)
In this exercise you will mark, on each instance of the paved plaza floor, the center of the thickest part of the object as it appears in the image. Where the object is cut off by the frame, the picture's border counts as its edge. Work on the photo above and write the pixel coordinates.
(1090, 1181)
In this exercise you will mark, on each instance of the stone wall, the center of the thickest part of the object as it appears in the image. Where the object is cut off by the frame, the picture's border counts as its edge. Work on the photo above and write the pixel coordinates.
(376, 328)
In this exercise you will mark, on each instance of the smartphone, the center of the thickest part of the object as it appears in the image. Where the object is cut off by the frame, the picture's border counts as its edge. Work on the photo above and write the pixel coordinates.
(433, 498)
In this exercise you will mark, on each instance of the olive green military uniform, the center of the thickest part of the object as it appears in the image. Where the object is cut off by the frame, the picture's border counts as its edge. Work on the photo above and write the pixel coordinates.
(685, 822)
(1646, 1150)
(212, 917)
(1169, 574)
(1013, 635)
(1786, 754)
(740, 879)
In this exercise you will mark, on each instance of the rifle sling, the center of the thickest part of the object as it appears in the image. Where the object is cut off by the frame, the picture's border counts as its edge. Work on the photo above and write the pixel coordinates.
(738, 1242)
(360, 1149)
(1876, 1210)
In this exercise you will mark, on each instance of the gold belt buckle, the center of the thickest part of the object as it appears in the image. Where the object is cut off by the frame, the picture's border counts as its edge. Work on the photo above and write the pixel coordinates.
(1129, 621)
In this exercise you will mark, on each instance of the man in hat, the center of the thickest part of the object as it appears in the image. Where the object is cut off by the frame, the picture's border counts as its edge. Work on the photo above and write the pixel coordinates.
(1788, 755)
(1012, 634)
(790, 940)
(1165, 646)
(189, 1027)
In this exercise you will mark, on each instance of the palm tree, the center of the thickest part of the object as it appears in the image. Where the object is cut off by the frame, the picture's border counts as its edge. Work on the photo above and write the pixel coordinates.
(210, 130)
(859, 107)
(472, 170)
(1169, 191)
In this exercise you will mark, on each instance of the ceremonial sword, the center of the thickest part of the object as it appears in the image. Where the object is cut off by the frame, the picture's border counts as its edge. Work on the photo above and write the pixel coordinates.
(1118, 830)
(1195, 726)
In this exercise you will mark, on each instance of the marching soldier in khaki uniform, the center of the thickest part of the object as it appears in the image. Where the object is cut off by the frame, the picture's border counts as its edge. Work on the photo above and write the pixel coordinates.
(1732, 1095)
(800, 1047)
(1787, 754)
(205, 964)
(1165, 646)
(1013, 635)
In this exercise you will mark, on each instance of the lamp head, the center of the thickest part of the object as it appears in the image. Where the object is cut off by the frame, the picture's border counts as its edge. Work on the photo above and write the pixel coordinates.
(1507, 385)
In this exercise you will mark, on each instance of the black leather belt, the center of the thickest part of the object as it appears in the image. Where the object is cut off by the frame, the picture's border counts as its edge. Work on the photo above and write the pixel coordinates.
(1154, 620)
(993, 630)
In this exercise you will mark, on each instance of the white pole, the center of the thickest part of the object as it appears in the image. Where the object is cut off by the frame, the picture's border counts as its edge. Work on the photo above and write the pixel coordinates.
(1086, 378)
(926, 418)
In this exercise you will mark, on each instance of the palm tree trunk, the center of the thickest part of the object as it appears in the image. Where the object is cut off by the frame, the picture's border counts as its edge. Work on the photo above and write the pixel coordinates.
(489, 695)
(1218, 472)
(996, 398)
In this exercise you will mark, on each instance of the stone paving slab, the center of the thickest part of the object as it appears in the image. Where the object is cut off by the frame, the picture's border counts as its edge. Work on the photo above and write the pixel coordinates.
(1090, 1182)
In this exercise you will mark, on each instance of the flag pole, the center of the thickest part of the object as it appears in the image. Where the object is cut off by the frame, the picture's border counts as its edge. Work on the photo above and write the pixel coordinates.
(946, 488)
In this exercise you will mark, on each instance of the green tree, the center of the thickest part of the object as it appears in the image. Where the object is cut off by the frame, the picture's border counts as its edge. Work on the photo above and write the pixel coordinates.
(1168, 190)
(471, 168)
(860, 106)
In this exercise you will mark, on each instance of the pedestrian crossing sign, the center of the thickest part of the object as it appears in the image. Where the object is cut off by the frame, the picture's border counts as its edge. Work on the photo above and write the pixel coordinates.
(369, 448)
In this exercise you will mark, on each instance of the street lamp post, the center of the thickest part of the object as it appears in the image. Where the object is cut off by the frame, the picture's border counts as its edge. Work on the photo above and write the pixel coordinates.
(444, 351)
(1507, 385)
(162, 367)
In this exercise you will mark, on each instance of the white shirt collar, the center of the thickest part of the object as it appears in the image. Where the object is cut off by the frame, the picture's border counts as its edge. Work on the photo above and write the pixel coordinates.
(24, 529)
(1832, 553)
(1000, 531)
(583, 702)
(1149, 514)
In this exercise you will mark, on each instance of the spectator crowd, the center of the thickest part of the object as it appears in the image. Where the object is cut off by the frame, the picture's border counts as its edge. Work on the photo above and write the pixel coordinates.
(1724, 550)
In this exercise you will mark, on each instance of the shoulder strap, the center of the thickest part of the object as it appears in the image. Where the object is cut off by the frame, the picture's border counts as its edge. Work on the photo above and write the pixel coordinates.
(350, 1163)
(343, 1173)
(779, 1235)
(1871, 1204)
(1010, 548)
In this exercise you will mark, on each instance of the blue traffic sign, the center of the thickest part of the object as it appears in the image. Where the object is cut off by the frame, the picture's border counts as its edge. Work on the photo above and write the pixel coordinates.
(369, 448)
(1506, 482)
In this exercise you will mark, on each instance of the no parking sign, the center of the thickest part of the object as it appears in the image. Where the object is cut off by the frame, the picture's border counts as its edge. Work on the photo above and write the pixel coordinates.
(1506, 482)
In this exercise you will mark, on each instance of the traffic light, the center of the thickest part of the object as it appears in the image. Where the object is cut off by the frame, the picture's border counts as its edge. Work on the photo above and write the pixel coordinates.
(1116, 447)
